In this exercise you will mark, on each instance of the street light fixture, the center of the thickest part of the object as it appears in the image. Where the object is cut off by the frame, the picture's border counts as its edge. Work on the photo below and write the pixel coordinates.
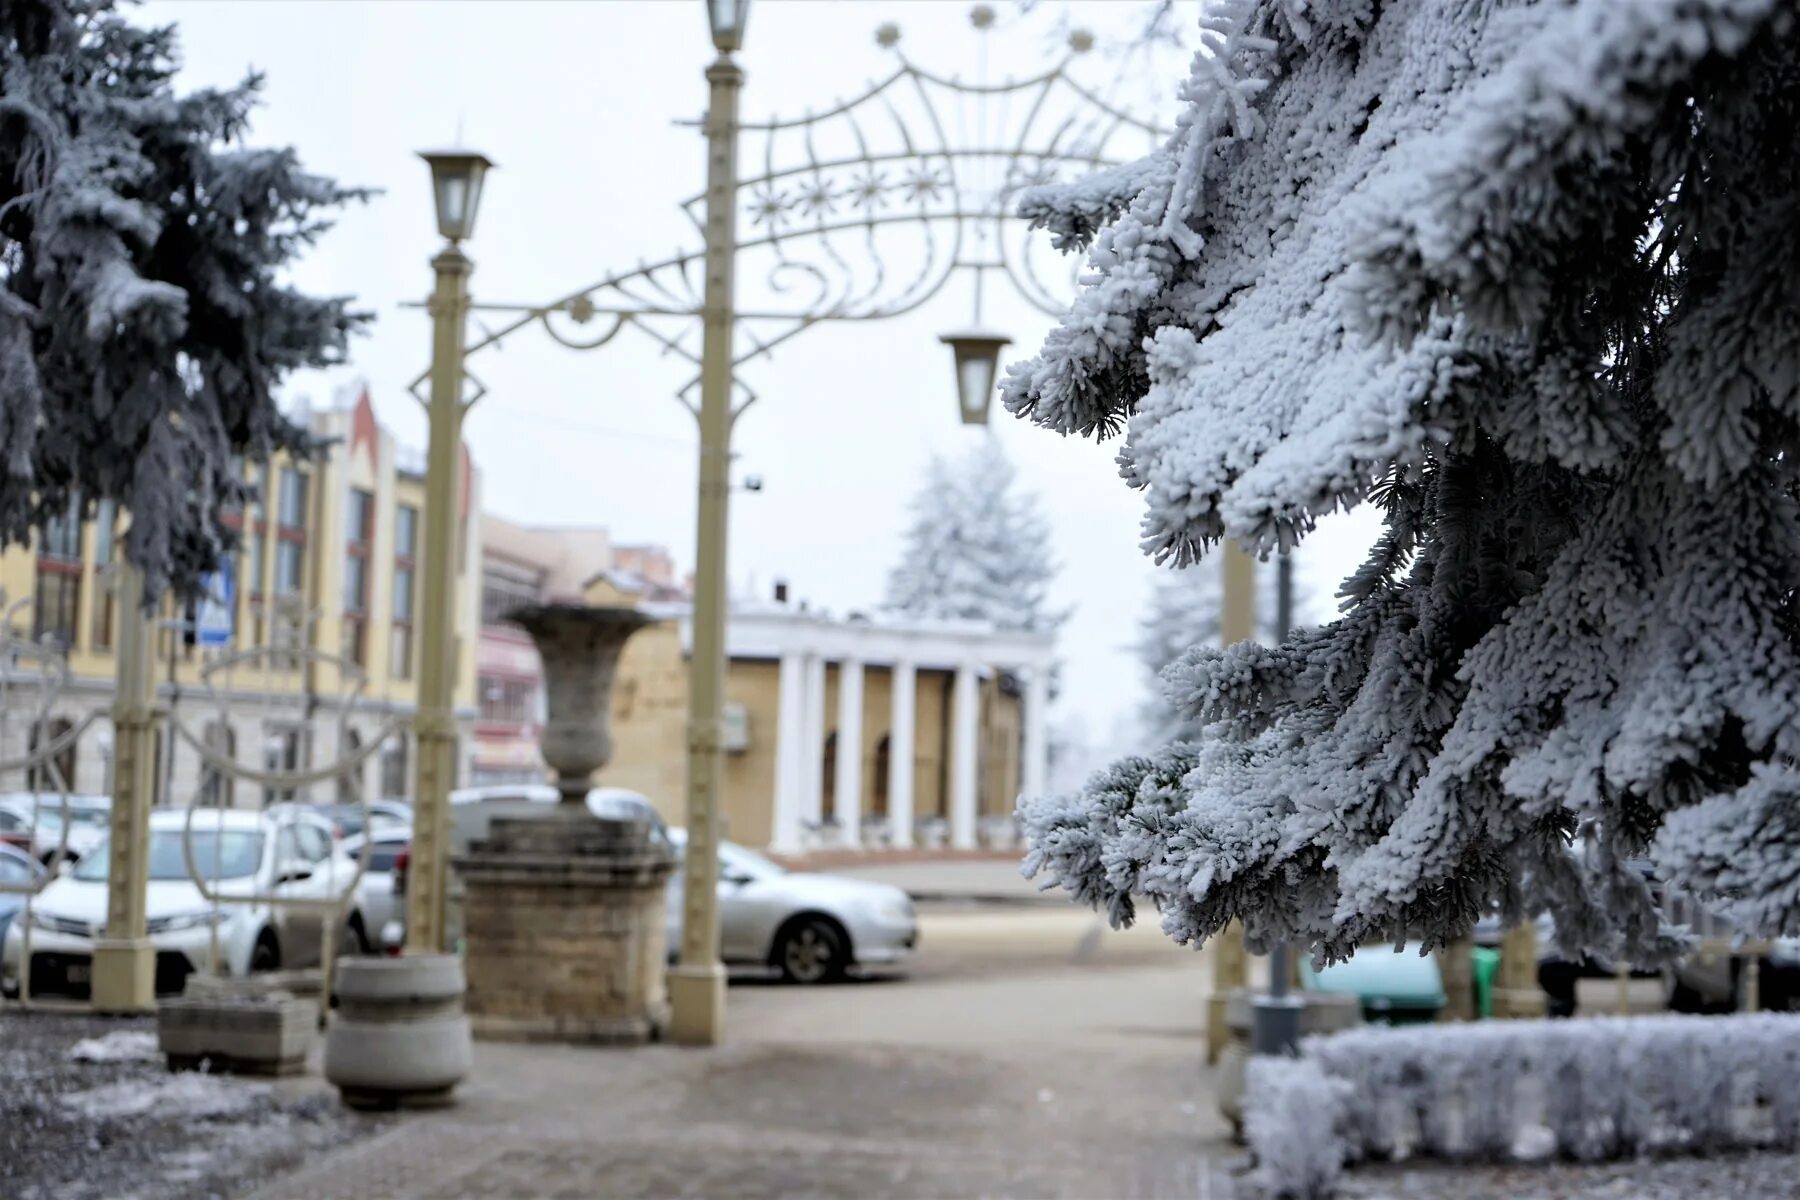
(456, 177)
(727, 17)
(977, 367)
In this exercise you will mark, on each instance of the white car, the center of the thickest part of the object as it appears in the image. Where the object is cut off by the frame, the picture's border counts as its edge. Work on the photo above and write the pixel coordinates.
(247, 853)
(812, 928)
(41, 815)
(376, 897)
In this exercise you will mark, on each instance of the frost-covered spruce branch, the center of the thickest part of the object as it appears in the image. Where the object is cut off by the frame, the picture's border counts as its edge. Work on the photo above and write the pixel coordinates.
(144, 324)
(1526, 277)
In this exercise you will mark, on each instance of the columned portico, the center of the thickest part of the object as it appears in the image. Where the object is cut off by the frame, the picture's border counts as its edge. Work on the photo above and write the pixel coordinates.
(785, 829)
(812, 741)
(847, 787)
(1034, 772)
(900, 754)
(929, 702)
(964, 720)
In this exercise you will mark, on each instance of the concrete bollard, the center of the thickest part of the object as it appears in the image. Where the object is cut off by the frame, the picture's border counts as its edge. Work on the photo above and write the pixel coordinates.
(399, 1037)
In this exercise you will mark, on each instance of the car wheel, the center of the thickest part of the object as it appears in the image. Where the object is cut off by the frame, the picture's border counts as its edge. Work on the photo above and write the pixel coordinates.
(266, 956)
(812, 949)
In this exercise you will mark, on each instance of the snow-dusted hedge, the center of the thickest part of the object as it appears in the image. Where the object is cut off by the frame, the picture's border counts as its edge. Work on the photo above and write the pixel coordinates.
(1586, 1089)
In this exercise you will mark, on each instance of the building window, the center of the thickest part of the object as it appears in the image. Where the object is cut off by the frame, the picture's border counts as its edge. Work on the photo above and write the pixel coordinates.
(290, 534)
(507, 701)
(282, 751)
(359, 537)
(349, 784)
(56, 596)
(55, 773)
(501, 593)
(406, 549)
(216, 786)
(393, 767)
(100, 632)
(828, 777)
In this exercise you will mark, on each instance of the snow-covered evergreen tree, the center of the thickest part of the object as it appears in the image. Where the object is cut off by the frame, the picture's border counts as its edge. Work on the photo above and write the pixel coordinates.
(144, 322)
(1183, 612)
(977, 548)
(1526, 276)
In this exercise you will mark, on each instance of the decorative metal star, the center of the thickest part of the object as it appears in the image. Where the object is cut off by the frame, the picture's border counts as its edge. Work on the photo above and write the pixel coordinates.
(924, 183)
(817, 198)
(869, 189)
(769, 207)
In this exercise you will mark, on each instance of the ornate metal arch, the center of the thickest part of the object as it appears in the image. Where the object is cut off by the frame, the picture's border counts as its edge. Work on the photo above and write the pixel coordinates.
(919, 168)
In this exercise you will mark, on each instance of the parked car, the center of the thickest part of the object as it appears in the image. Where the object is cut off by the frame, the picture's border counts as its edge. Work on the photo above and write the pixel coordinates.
(811, 927)
(42, 816)
(377, 898)
(17, 870)
(347, 819)
(289, 854)
(15, 830)
(1394, 987)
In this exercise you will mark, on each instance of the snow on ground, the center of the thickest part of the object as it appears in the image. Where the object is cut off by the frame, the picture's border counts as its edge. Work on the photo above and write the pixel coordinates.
(88, 1111)
(185, 1094)
(121, 1045)
(1722, 1177)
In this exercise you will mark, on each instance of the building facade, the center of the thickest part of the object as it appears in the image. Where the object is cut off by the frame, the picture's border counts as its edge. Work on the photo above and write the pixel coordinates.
(842, 732)
(522, 565)
(321, 618)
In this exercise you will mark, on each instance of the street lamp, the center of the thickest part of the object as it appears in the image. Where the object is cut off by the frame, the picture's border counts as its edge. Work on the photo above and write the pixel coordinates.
(977, 366)
(456, 178)
(727, 17)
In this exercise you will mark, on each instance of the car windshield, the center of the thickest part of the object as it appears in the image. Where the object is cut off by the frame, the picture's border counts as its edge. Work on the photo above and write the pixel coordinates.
(733, 857)
(239, 852)
(88, 818)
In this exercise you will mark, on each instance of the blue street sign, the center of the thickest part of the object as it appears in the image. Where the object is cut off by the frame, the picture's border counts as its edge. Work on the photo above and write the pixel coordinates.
(215, 612)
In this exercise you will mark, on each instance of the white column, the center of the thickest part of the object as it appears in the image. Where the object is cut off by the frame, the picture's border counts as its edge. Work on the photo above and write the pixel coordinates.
(847, 788)
(900, 755)
(784, 828)
(1034, 772)
(964, 709)
(812, 742)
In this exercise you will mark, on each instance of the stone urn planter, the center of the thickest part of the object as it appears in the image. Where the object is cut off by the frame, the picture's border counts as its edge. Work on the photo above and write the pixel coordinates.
(399, 1037)
(563, 932)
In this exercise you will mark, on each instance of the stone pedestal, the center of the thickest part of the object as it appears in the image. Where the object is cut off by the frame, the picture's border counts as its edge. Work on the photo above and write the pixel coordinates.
(563, 929)
(1320, 1013)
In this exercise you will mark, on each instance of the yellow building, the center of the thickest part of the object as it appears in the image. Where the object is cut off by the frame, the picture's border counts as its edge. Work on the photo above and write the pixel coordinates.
(328, 566)
(949, 721)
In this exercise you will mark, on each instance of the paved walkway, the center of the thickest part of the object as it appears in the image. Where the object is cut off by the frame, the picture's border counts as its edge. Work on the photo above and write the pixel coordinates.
(1029, 1056)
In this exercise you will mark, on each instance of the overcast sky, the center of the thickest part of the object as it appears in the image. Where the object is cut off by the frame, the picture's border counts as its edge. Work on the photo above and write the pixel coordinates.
(577, 103)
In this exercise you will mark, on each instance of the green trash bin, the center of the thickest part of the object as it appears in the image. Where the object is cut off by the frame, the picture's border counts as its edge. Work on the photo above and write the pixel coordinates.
(1487, 966)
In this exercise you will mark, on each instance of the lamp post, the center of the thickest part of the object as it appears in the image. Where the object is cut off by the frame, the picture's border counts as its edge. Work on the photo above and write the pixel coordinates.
(456, 179)
(1275, 1027)
(697, 981)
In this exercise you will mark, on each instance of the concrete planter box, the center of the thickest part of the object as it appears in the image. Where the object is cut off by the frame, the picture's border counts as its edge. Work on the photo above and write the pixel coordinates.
(267, 1034)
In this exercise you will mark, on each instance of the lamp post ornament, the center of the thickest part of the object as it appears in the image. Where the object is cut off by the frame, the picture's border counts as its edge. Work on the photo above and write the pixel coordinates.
(833, 197)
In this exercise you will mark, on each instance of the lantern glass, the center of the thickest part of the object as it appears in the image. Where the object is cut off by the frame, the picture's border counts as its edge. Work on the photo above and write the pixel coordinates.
(456, 179)
(977, 368)
(727, 18)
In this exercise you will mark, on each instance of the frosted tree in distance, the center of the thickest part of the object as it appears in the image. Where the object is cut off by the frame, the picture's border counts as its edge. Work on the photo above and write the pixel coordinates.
(144, 321)
(977, 548)
(1525, 276)
(1184, 612)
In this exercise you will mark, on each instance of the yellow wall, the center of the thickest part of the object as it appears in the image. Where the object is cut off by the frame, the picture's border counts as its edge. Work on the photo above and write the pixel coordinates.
(322, 588)
(649, 723)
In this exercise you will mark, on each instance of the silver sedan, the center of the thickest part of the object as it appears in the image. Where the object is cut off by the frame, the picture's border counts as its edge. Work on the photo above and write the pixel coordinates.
(812, 928)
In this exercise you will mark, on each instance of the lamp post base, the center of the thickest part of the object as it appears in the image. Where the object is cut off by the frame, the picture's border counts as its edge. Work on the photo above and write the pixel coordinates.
(697, 1004)
(124, 976)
